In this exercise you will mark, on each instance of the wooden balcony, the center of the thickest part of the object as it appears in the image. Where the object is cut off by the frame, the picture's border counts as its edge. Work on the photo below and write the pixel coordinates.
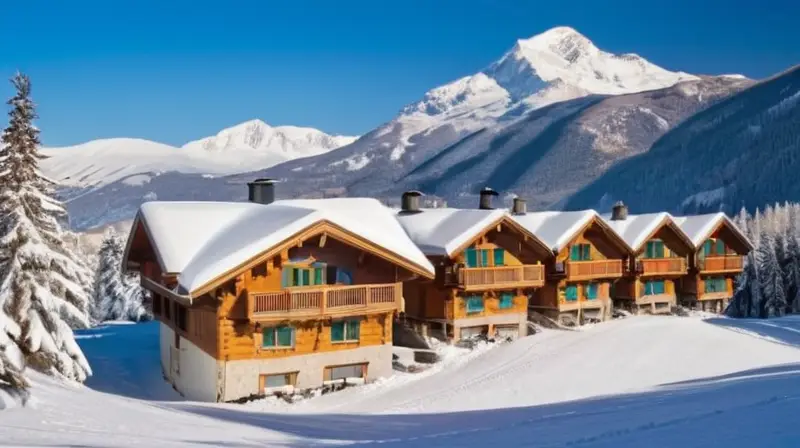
(661, 266)
(497, 277)
(724, 264)
(589, 270)
(324, 301)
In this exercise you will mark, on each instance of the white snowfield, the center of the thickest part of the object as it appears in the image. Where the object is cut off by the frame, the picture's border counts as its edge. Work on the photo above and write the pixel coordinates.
(245, 147)
(641, 381)
(226, 234)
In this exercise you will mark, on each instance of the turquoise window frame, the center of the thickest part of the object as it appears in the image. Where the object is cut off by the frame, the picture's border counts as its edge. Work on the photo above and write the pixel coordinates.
(591, 291)
(571, 293)
(499, 257)
(715, 284)
(278, 337)
(654, 287)
(474, 304)
(346, 330)
(471, 258)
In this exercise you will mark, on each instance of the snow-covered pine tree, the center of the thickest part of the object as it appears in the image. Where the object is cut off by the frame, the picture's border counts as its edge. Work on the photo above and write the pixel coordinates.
(117, 296)
(40, 286)
(791, 270)
(771, 276)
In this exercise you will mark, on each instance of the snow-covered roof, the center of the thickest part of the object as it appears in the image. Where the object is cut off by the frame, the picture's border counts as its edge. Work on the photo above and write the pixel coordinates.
(699, 227)
(440, 231)
(555, 229)
(203, 240)
(636, 228)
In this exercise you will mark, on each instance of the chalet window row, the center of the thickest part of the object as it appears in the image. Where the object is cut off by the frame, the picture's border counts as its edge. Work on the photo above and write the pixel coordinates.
(570, 292)
(475, 303)
(654, 287)
(330, 373)
(480, 258)
(715, 284)
(580, 252)
(713, 247)
(285, 336)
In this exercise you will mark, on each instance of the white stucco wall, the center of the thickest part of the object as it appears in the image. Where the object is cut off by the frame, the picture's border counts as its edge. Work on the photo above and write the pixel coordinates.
(241, 377)
(198, 371)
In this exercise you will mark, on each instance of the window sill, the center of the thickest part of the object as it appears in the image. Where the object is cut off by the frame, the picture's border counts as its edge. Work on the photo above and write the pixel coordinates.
(275, 348)
(350, 341)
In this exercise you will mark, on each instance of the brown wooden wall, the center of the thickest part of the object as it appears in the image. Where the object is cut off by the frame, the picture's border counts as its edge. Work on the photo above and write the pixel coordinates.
(241, 340)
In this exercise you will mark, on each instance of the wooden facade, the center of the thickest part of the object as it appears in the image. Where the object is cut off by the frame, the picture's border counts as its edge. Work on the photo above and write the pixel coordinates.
(320, 292)
(482, 288)
(713, 268)
(580, 277)
(658, 264)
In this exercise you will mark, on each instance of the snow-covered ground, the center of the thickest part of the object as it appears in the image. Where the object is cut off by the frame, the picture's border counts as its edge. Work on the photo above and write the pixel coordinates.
(642, 381)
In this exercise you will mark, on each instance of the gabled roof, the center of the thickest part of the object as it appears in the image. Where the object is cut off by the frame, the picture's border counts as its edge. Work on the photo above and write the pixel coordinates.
(557, 229)
(636, 229)
(200, 241)
(699, 227)
(443, 231)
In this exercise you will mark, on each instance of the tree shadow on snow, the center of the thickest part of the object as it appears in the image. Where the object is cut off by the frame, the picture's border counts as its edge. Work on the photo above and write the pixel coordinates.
(719, 410)
(785, 330)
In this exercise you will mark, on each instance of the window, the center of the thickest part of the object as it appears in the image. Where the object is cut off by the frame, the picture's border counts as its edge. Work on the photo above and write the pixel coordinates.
(474, 304)
(345, 330)
(580, 252)
(715, 284)
(654, 287)
(499, 257)
(278, 337)
(591, 291)
(343, 372)
(476, 258)
(506, 300)
(277, 380)
(708, 248)
(571, 292)
(654, 249)
(720, 247)
(304, 276)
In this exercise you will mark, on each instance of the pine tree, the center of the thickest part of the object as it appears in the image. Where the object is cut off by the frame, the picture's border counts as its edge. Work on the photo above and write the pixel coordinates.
(41, 291)
(118, 296)
(771, 276)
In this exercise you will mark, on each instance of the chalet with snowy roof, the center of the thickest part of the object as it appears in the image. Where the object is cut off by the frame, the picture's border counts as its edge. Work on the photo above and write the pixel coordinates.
(589, 258)
(266, 295)
(660, 259)
(486, 267)
(719, 249)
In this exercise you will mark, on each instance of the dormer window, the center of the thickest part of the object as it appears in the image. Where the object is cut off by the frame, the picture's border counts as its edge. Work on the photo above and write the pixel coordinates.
(654, 249)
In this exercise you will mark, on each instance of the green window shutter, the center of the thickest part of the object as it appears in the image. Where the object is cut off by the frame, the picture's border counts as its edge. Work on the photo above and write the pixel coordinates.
(337, 331)
(649, 250)
(658, 287)
(353, 330)
(575, 253)
(474, 304)
(268, 337)
(286, 277)
(499, 257)
(472, 258)
(506, 300)
(319, 276)
(285, 336)
(707, 248)
(720, 247)
(587, 252)
(659, 249)
(591, 291)
(571, 293)
(295, 277)
(306, 273)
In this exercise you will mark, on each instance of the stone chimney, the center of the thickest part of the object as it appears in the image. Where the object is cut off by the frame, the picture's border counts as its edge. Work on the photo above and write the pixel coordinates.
(519, 207)
(486, 198)
(619, 212)
(261, 191)
(410, 202)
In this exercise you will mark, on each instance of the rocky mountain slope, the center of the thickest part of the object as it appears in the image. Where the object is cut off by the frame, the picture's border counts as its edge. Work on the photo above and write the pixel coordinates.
(743, 151)
(547, 118)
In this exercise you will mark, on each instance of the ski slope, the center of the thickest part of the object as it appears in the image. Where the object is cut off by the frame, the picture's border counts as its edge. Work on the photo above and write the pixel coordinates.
(642, 381)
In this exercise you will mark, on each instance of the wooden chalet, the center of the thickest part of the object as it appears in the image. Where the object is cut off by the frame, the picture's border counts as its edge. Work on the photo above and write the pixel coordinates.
(661, 252)
(263, 296)
(487, 265)
(719, 249)
(589, 258)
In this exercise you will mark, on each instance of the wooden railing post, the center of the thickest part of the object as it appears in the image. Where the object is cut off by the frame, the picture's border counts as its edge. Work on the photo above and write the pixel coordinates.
(323, 305)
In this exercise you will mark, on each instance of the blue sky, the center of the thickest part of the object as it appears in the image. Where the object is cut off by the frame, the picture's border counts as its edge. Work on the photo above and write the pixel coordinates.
(174, 71)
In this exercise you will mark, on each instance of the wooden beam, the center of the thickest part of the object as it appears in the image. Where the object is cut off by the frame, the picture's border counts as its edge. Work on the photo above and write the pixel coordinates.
(162, 290)
(323, 239)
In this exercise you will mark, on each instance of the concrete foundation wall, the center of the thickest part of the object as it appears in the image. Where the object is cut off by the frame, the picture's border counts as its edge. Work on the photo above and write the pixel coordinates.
(192, 371)
(241, 377)
(520, 319)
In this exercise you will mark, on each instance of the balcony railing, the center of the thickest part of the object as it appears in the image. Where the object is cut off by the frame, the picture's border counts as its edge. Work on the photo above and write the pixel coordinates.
(661, 266)
(524, 276)
(728, 263)
(588, 270)
(325, 301)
